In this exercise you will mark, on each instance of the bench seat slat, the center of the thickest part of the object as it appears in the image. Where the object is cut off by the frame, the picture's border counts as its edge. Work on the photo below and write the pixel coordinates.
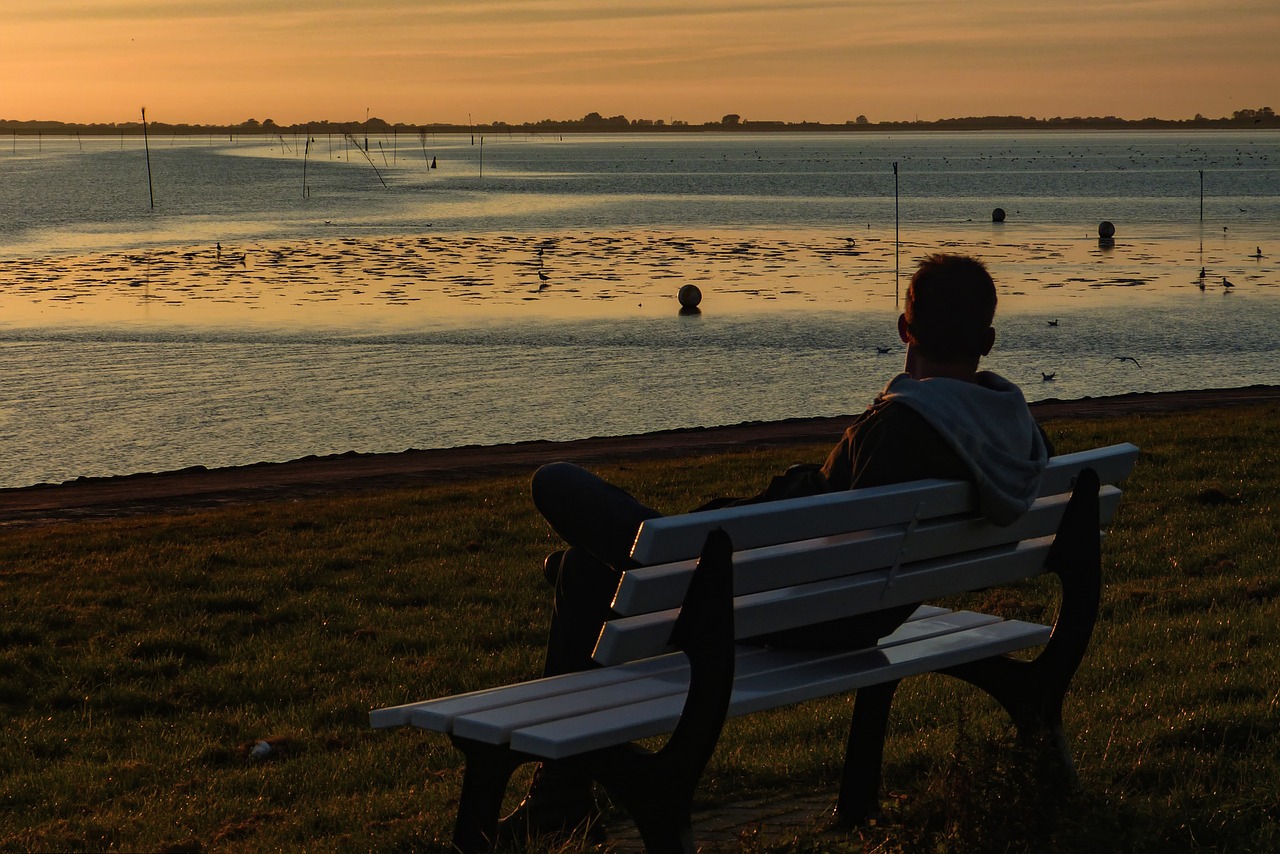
(489, 716)
(803, 680)
(628, 638)
(494, 725)
(445, 709)
(438, 714)
(663, 587)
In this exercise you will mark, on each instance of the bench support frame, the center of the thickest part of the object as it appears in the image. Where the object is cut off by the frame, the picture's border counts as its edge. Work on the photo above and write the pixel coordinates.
(656, 788)
(1032, 692)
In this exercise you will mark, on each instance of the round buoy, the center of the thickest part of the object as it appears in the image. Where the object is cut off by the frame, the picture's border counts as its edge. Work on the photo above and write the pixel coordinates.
(689, 296)
(997, 215)
(1106, 230)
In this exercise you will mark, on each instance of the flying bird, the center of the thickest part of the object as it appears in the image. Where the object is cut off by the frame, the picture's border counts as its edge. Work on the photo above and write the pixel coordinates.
(1125, 359)
(1048, 377)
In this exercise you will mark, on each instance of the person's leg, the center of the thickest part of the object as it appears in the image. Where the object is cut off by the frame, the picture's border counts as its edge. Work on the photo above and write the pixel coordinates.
(584, 588)
(599, 521)
(589, 513)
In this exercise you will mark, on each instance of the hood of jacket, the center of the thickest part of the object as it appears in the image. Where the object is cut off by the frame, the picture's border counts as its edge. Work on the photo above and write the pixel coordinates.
(988, 424)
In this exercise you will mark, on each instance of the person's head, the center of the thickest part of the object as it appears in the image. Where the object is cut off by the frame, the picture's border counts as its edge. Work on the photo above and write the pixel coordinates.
(950, 304)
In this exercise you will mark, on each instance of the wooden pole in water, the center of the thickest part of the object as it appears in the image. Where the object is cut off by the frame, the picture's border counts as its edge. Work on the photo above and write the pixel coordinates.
(147, 146)
(895, 235)
(306, 152)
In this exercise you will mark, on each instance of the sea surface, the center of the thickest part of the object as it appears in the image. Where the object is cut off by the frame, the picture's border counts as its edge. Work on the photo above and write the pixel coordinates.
(221, 301)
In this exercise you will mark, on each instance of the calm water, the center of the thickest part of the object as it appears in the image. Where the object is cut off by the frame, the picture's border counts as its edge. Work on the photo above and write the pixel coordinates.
(91, 389)
(62, 194)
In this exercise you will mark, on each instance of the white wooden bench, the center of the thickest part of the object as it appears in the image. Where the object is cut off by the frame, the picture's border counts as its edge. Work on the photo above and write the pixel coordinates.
(774, 566)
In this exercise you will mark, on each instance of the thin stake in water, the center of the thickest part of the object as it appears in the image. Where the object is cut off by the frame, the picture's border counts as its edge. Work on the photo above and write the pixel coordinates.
(147, 146)
(367, 157)
(896, 275)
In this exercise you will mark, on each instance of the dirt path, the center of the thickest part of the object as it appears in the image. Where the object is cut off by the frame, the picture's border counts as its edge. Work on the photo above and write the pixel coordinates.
(199, 487)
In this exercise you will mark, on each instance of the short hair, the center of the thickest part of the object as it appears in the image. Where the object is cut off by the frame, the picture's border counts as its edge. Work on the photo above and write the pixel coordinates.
(951, 302)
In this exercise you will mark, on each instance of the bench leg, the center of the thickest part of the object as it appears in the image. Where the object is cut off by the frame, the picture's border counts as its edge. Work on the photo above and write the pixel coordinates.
(1032, 695)
(864, 754)
(1032, 692)
(656, 790)
(484, 783)
(665, 831)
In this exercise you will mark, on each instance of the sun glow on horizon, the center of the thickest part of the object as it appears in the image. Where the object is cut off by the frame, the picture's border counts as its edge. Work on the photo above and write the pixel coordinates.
(525, 60)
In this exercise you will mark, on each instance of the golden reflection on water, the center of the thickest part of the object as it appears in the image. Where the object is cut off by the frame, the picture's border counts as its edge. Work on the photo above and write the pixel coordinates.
(382, 283)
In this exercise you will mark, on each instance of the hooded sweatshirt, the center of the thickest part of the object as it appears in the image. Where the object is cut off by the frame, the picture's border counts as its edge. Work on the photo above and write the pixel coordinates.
(989, 427)
(980, 431)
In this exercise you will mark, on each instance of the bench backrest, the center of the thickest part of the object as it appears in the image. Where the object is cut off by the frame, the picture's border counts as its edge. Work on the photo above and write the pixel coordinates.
(806, 560)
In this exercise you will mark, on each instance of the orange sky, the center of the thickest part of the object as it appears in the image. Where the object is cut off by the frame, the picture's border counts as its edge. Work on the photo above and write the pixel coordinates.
(223, 61)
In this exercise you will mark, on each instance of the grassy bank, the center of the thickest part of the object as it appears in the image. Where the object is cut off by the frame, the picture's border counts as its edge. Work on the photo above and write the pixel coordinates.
(142, 659)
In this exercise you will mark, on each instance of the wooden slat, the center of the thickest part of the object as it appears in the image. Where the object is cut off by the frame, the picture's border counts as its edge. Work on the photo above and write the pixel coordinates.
(824, 677)
(1112, 463)
(628, 638)
(802, 681)
(662, 587)
(495, 725)
(438, 714)
(674, 538)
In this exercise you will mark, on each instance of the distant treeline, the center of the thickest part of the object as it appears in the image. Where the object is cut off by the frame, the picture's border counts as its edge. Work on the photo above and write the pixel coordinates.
(596, 123)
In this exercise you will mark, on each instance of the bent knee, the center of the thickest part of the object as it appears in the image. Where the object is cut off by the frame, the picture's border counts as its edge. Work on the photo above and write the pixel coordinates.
(553, 479)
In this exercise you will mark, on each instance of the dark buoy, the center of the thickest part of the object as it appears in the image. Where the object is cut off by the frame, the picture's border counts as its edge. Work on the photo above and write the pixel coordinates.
(689, 296)
(997, 215)
(1106, 230)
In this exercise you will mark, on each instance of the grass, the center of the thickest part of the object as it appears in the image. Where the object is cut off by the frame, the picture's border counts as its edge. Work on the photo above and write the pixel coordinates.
(142, 659)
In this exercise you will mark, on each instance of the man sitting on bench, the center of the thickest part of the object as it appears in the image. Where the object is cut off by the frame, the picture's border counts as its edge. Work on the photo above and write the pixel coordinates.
(941, 418)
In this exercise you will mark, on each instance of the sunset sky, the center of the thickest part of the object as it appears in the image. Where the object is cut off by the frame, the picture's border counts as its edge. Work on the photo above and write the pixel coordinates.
(224, 61)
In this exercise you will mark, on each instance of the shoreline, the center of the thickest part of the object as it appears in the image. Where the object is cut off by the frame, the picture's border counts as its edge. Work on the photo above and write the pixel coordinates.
(200, 488)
